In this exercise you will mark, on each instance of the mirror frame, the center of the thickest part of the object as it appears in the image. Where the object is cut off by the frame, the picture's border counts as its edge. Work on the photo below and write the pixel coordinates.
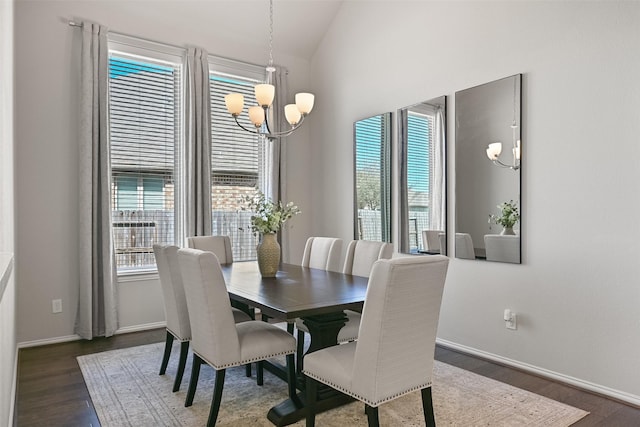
(487, 113)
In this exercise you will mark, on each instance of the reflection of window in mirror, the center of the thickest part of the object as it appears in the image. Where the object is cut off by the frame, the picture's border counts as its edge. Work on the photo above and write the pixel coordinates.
(372, 161)
(422, 169)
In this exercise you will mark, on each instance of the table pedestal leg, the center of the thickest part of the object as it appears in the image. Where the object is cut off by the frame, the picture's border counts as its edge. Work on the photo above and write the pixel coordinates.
(324, 333)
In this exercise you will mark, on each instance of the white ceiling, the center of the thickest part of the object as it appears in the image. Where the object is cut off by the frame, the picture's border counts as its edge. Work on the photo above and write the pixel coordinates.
(299, 25)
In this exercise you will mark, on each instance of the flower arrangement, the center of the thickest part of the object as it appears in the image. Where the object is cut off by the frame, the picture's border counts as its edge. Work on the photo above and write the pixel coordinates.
(269, 216)
(509, 215)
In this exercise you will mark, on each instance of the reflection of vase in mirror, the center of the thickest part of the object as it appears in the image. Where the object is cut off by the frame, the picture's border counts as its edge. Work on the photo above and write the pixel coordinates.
(422, 186)
(488, 176)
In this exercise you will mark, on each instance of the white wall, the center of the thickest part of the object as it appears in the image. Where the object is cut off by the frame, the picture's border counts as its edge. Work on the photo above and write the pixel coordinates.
(8, 349)
(46, 151)
(576, 293)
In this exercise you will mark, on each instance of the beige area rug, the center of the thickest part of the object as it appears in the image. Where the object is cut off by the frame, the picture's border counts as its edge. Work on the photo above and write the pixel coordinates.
(126, 390)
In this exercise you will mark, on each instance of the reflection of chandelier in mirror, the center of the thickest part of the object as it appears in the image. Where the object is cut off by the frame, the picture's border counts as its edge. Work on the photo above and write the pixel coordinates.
(265, 93)
(494, 149)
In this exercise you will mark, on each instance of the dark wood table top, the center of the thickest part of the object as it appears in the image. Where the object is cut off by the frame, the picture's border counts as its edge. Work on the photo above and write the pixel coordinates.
(295, 291)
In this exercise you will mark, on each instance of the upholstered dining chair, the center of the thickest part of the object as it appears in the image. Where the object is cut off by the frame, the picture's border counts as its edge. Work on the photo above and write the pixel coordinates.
(176, 309)
(221, 247)
(431, 240)
(217, 339)
(464, 246)
(322, 253)
(388, 360)
(502, 248)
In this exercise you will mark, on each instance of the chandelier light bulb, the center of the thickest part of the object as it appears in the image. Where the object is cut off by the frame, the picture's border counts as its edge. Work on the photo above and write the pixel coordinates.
(494, 150)
(304, 101)
(265, 94)
(234, 103)
(292, 114)
(256, 115)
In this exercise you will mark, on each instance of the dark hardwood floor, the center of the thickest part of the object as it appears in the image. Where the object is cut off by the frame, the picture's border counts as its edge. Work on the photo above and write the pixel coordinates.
(51, 391)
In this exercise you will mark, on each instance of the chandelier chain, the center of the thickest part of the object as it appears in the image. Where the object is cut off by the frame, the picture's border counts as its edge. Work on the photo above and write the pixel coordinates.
(270, 36)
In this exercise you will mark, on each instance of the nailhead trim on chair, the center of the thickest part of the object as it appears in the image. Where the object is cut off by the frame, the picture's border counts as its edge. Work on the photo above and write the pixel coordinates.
(177, 337)
(243, 362)
(365, 400)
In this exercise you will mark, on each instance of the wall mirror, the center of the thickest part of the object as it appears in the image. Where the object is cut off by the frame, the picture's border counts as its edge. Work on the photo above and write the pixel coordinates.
(372, 166)
(422, 177)
(488, 162)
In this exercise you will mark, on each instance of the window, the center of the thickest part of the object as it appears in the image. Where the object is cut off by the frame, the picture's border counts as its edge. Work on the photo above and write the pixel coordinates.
(236, 156)
(145, 134)
(372, 181)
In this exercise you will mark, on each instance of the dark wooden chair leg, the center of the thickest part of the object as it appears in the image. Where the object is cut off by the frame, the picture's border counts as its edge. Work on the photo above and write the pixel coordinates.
(168, 343)
(372, 416)
(217, 397)
(265, 318)
(260, 372)
(300, 351)
(247, 368)
(427, 407)
(184, 351)
(193, 382)
(290, 326)
(312, 389)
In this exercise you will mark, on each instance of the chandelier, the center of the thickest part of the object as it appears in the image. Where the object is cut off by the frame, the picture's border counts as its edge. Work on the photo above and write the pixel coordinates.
(265, 93)
(494, 149)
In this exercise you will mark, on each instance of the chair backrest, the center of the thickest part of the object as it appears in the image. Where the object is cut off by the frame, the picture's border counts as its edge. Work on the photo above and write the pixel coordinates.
(431, 239)
(464, 246)
(502, 248)
(322, 253)
(175, 304)
(213, 332)
(361, 254)
(442, 237)
(219, 245)
(396, 342)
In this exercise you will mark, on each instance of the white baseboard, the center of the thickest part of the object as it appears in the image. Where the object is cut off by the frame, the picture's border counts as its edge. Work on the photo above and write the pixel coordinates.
(138, 328)
(58, 340)
(576, 382)
(47, 341)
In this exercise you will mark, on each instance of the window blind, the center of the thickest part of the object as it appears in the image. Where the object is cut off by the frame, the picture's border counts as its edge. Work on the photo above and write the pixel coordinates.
(372, 165)
(235, 164)
(144, 131)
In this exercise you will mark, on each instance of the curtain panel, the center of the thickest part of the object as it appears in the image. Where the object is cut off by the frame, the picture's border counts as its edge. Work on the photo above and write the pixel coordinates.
(97, 314)
(198, 144)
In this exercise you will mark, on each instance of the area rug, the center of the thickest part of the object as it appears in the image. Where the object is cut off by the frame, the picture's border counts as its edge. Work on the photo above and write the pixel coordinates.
(126, 390)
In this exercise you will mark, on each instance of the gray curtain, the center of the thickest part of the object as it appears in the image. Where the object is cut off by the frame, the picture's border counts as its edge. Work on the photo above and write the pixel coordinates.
(97, 315)
(403, 199)
(274, 153)
(437, 209)
(198, 145)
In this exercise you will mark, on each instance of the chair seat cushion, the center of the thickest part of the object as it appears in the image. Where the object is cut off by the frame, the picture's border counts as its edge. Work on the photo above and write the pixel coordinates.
(349, 331)
(332, 365)
(261, 340)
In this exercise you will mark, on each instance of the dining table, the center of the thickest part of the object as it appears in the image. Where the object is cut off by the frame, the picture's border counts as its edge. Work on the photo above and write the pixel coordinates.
(318, 297)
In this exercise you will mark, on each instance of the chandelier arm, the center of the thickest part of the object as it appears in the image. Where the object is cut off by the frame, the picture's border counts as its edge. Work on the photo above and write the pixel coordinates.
(266, 119)
(499, 163)
(235, 117)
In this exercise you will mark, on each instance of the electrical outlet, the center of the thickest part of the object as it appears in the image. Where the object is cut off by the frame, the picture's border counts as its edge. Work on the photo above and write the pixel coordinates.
(512, 323)
(56, 306)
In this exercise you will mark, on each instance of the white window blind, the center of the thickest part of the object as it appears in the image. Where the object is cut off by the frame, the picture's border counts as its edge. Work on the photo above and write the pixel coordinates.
(235, 164)
(145, 134)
